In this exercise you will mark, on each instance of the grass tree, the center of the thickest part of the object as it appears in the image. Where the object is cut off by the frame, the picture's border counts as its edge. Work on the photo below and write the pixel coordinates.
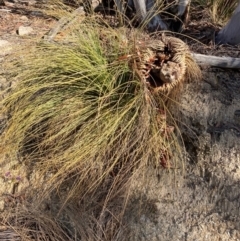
(86, 115)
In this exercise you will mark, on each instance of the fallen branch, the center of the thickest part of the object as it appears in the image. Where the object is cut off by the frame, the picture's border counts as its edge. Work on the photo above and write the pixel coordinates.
(62, 23)
(215, 61)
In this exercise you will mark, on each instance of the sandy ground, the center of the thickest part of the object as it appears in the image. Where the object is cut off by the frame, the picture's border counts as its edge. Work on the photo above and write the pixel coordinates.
(204, 202)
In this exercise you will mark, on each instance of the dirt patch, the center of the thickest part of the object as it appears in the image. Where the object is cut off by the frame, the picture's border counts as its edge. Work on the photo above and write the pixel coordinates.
(202, 204)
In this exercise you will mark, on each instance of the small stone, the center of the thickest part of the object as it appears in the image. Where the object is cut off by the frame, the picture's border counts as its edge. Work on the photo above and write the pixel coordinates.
(32, 3)
(3, 228)
(24, 30)
(8, 4)
(24, 18)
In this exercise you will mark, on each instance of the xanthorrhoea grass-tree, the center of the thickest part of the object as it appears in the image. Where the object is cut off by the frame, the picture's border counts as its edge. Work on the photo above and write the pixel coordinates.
(82, 118)
(220, 11)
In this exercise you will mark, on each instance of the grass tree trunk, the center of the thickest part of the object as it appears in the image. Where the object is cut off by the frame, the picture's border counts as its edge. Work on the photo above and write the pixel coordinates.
(231, 32)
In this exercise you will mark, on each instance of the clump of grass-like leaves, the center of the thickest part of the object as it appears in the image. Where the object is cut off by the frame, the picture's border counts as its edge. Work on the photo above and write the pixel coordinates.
(30, 224)
(83, 119)
(61, 8)
(220, 10)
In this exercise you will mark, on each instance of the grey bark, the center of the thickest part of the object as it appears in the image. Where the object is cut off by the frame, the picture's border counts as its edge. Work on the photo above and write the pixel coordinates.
(230, 34)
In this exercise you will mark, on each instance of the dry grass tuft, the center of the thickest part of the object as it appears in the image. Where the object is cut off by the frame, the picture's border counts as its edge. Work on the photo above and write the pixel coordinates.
(220, 10)
(82, 118)
(30, 224)
(60, 8)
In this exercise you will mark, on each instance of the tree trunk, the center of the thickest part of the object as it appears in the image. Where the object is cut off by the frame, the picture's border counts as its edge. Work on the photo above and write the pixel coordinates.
(230, 34)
